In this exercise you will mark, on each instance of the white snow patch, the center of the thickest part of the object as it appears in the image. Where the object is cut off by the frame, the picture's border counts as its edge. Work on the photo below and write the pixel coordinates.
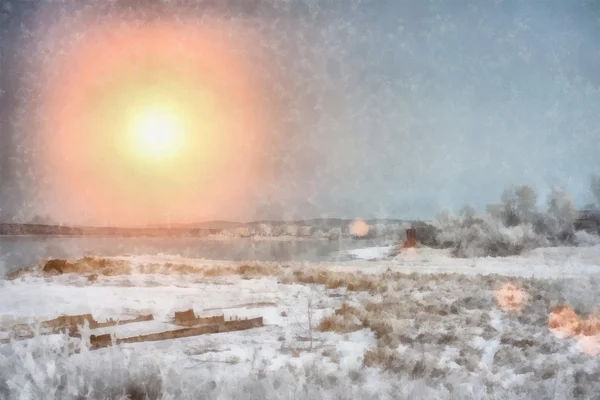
(370, 253)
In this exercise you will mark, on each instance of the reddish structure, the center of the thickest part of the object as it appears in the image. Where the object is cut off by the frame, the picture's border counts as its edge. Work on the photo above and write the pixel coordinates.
(411, 238)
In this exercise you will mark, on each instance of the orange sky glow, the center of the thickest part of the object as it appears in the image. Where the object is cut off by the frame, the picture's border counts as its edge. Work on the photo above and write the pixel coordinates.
(198, 123)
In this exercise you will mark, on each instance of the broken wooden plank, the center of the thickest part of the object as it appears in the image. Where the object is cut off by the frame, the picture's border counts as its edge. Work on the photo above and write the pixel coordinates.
(189, 318)
(99, 341)
(258, 304)
(218, 319)
(52, 326)
(183, 316)
(141, 318)
(67, 321)
(70, 323)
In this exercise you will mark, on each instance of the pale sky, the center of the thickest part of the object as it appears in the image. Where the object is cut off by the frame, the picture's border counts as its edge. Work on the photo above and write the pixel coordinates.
(384, 108)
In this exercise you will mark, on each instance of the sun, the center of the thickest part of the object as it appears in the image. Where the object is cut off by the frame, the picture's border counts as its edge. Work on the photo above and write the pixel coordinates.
(156, 134)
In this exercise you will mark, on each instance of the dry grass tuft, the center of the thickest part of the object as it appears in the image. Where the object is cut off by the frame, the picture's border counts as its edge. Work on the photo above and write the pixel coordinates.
(93, 267)
(110, 267)
(382, 330)
(245, 270)
(346, 309)
(379, 356)
(85, 266)
(364, 284)
(335, 284)
(345, 319)
(256, 270)
(217, 271)
(168, 268)
(334, 280)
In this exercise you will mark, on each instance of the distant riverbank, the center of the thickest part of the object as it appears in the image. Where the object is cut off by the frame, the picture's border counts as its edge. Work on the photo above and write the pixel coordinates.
(68, 231)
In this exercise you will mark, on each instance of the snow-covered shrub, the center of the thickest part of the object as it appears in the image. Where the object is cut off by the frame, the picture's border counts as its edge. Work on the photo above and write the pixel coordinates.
(334, 233)
(561, 216)
(278, 230)
(379, 230)
(393, 230)
(449, 227)
(583, 238)
(427, 234)
(228, 233)
(304, 231)
(45, 368)
(489, 237)
(526, 200)
(265, 230)
(319, 234)
(511, 226)
(481, 237)
(291, 230)
(242, 231)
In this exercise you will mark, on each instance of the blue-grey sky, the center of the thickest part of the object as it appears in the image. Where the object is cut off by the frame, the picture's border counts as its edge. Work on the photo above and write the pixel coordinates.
(394, 108)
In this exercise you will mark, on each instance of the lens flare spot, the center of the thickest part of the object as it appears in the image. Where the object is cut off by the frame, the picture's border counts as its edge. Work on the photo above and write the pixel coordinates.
(359, 228)
(564, 322)
(511, 298)
(156, 134)
(590, 326)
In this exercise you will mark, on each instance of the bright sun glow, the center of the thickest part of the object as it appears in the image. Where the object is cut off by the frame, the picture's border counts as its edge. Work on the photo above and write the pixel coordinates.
(156, 134)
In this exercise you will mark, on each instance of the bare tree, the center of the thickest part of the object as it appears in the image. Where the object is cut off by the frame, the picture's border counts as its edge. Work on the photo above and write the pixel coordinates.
(562, 212)
(509, 212)
(561, 205)
(496, 211)
(445, 217)
(526, 200)
(468, 213)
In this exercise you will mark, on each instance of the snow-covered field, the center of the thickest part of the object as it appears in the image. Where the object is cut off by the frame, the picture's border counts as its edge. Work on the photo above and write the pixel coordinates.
(419, 325)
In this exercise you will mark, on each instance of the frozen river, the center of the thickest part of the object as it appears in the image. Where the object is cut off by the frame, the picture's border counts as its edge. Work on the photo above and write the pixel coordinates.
(18, 251)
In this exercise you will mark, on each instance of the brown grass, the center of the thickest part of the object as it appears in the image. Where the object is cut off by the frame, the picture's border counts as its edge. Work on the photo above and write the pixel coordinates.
(218, 271)
(334, 280)
(168, 268)
(256, 270)
(345, 319)
(335, 283)
(85, 266)
(379, 356)
(346, 309)
(93, 267)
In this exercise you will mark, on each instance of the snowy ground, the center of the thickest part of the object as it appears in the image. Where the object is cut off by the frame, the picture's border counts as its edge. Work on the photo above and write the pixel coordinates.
(439, 332)
(559, 262)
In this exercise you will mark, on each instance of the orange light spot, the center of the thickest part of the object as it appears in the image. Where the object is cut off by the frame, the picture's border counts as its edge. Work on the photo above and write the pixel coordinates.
(511, 298)
(359, 228)
(564, 322)
(589, 339)
(590, 326)
(589, 345)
